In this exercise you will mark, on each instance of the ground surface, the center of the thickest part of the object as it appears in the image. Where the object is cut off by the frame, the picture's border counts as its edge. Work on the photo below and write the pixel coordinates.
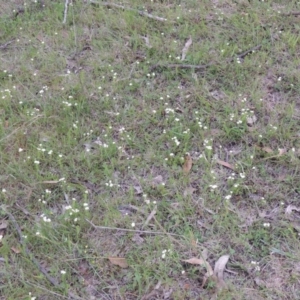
(97, 116)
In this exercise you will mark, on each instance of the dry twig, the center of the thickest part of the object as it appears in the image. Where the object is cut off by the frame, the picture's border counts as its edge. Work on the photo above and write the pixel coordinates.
(66, 11)
(203, 67)
(129, 230)
(142, 13)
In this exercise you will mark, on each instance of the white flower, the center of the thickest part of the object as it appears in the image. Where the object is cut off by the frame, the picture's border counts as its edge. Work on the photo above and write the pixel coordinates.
(132, 224)
(228, 197)
(63, 272)
(36, 162)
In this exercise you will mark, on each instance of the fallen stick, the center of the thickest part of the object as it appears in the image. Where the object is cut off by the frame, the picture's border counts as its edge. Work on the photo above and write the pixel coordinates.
(4, 46)
(181, 66)
(130, 230)
(203, 67)
(66, 12)
(142, 13)
(292, 13)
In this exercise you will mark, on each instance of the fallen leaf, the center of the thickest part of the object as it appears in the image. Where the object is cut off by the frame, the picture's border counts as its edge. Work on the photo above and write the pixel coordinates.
(290, 209)
(281, 151)
(225, 164)
(119, 261)
(188, 162)
(267, 149)
(138, 190)
(195, 261)
(3, 225)
(220, 266)
(186, 48)
(15, 250)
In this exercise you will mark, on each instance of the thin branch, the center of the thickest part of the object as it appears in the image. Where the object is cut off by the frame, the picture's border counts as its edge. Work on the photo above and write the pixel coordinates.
(4, 46)
(16, 130)
(243, 54)
(181, 66)
(66, 12)
(203, 67)
(129, 230)
(151, 216)
(157, 223)
(142, 13)
(292, 13)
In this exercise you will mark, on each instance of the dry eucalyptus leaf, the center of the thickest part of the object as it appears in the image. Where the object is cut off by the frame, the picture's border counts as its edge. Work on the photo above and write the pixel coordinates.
(290, 209)
(138, 190)
(186, 48)
(3, 225)
(188, 162)
(220, 266)
(119, 261)
(195, 261)
(15, 250)
(225, 164)
(281, 151)
(267, 149)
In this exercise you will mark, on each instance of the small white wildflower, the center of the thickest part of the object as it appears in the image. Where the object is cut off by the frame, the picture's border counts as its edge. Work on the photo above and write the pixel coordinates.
(20, 149)
(213, 186)
(228, 197)
(3, 190)
(132, 224)
(267, 225)
(37, 233)
(63, 272)
(242, 175)
(36, 162)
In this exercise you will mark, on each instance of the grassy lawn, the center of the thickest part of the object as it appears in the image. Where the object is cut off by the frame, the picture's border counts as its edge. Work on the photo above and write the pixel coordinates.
(149, 151)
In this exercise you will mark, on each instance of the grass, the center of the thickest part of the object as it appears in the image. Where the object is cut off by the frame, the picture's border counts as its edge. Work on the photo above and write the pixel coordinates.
(95, 125)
